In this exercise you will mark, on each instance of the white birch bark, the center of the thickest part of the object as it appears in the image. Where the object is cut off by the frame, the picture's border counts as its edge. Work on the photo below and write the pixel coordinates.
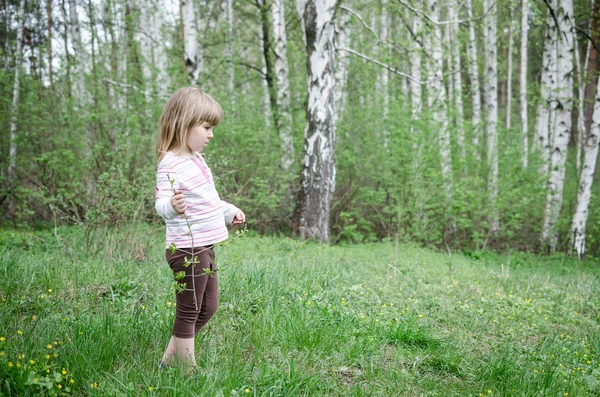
(562, 131)
(152, 47)
(509, 73)
(283, 85)
(474, 77)
(318, 167)
(416, 95)
(523, 83)
(229, 54)
(82, 94)
(385, 75)
(581, 97)
(192, 52)
(545, 109)
(268, 115)
(457, 81)
(491, 102)
(15, 99)
(342, 61)
(449, 54)
(436, 99)
(585, 183)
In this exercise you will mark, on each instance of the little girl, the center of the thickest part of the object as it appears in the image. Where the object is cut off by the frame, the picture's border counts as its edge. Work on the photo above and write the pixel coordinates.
(195, 215)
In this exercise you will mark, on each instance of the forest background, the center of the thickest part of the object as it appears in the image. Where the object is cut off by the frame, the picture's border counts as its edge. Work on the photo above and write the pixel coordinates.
(461, 125)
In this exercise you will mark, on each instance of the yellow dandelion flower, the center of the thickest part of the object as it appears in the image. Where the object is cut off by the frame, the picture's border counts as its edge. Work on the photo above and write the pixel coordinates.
(420, 316)
(143, 307)
(42, 296)
(72, 381)
(47, 357)
(489, 392)
(2, 339)
(480, 394)
(35, 379)
(376, 320)
(588, 362)
(33, 318)
(21, 356)
(55, 355)
(19, 332)
(59, 386)
(94, 385)
(31, 362)
(18, 365)
(150, 388)
(1, 354)
(566, 394)
(308, 303)
(64, 372)
(247, 390)
(48, 371)
(10, 364)
(50, 290)
(49, 346)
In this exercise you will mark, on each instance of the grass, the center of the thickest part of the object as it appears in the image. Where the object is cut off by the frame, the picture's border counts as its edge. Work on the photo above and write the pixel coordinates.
(96, 308)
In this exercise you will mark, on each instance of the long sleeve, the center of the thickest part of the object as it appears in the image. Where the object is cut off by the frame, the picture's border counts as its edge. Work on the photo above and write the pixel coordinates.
(229, 211)
(164, 191)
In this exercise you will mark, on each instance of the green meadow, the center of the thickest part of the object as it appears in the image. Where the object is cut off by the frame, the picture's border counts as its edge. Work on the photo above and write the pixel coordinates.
(88, 313)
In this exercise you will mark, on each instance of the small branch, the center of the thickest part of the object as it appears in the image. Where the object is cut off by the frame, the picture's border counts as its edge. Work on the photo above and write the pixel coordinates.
(391, 69)
(458, 21)
(252, 67)
(123, 85)
(588, 37)
(361, 20)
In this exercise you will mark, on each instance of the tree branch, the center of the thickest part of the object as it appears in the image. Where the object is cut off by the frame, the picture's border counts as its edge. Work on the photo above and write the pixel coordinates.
(362, 20)
(458, 21)
(123, 85)
(391, 69)
(588, 37)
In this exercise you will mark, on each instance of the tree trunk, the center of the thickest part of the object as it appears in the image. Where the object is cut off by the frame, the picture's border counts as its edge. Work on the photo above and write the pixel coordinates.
(66, 45)
(509, 73)
(268, 114)
(474, 77)
(457, 80)
(82, 93)
(491, 102)
(416, 97)
(49, 43)
(585, 182)
(580, 104)
(229, 57)
(318, 167)
(192, 53)
(14, 113)
(385, 75)
(562, 131)
(341, 64)
(283, 85)
(545, 109)
(592, 72)
(437, 96)
(268, 58)
(523, 83)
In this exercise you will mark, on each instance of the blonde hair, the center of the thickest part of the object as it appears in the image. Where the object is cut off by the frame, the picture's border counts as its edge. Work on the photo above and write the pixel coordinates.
(187, 108)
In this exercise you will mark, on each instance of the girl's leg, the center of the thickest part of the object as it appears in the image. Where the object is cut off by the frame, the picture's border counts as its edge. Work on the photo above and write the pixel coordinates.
(180, 350)
(209, 302)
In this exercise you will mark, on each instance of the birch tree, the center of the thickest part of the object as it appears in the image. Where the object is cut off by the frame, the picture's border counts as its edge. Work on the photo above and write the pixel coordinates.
(15, 100)
(192, 53)
(342, 61)
(229, 53)
(586, 180)
(318, 167)
(523, 82)
(82, 93)
(562, 130)
(49, 42)
(474, 77)
(384, 76)
(509, 72)
(283, 85)
(436, 98)
(491, 102)
(545, 111)
(457, 81)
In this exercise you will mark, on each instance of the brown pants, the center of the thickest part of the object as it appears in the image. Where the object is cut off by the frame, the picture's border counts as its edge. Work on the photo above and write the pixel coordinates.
(188, 320)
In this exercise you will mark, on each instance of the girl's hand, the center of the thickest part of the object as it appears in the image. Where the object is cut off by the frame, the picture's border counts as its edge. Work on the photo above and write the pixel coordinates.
(240, 217)
(178, 202)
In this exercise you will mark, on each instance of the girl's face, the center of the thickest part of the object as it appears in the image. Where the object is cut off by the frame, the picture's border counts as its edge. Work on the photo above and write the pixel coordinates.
(199, 136)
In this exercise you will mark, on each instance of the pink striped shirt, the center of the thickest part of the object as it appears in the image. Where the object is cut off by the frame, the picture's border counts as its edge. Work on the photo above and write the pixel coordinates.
(207, 213)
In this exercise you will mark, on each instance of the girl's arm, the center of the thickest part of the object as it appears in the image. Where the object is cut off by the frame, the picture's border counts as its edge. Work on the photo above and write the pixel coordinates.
(229, 211)
(164, 191)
